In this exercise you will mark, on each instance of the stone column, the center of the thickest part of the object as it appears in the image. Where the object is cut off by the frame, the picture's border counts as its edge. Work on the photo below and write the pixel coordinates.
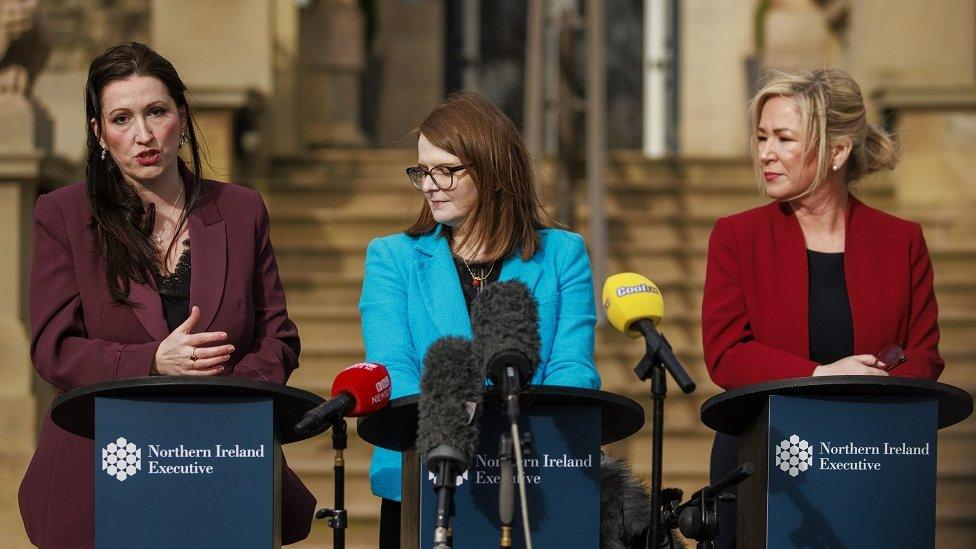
(917, 65)
(223, 50)
(934, 181)
(715, 37)
(25, 142)
(215, 112)
(796, 36)
(410, 46)
(332, 58)
(19, 172)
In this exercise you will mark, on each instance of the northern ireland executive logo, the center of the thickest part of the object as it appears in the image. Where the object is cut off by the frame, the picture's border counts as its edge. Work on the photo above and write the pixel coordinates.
(121, 459)
(794, 455)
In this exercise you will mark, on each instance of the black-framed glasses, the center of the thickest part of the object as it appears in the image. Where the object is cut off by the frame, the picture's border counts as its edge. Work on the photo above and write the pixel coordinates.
(443, 176)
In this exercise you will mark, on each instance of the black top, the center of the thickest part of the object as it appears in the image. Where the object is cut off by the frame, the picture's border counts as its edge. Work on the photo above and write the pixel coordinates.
(489, 270)
(831, 326)
(174, 290)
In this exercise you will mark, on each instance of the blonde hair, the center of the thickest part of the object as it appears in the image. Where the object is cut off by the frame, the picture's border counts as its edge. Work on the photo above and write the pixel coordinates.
(832, 108)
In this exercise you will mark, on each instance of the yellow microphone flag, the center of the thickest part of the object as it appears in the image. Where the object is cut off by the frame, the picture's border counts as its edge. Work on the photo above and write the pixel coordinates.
(629, 297)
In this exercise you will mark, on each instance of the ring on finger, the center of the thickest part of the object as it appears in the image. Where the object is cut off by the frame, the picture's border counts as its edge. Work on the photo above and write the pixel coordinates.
(193, 353)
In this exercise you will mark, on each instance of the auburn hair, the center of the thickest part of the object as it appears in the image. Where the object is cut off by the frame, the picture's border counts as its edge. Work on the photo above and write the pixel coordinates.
(507, 212)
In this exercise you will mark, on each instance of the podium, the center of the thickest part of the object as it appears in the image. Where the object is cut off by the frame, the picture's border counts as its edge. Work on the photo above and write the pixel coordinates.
(185, 461)
(562, 472)
(842, 461)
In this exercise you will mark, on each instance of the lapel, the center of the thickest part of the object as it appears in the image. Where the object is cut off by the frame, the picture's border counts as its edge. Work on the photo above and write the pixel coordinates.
(144, 299)
(861, 272)
(528, 272)
(437, 278)
(148, 309)
(208, 256)
(791, 284)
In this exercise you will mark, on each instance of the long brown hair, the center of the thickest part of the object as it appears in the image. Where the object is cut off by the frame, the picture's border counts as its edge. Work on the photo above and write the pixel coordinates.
(507, 211)
(120, 224)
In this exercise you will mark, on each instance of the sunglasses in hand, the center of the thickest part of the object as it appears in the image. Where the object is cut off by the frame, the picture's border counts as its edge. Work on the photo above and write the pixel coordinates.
(890, 357)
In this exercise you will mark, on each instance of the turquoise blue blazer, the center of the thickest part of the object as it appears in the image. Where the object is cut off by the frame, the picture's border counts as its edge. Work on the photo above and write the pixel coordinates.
(412, 296)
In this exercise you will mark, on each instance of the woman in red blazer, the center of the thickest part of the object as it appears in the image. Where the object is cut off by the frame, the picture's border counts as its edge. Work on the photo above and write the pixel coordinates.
(116, 293)
(816, 282)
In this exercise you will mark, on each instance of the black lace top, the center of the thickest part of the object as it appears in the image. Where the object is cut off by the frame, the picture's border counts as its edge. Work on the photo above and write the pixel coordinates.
(174, 290)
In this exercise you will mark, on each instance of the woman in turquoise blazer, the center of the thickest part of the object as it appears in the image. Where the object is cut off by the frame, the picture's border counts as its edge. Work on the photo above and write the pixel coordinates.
(480, 223)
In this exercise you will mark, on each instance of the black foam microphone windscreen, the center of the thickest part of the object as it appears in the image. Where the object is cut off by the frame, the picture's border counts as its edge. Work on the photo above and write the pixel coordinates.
(505, 323)
(451, 388)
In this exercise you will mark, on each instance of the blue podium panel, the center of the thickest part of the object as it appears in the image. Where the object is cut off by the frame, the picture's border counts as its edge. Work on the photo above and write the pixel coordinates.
(562, 483)
(185, 472)
(851, 472)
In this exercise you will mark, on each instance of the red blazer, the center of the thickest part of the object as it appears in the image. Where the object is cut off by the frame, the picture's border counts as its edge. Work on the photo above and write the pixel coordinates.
(755, 309)
(80, 336)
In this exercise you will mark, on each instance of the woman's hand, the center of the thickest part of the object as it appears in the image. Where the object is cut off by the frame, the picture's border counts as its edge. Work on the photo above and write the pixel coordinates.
(184, 354)
(856, 365)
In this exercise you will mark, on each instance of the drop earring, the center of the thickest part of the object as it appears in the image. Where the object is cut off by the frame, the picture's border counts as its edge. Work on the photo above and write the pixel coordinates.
(182, 139)
(104, 152)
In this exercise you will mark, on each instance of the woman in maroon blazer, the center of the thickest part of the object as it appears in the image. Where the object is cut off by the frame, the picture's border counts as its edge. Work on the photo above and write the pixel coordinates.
(115, 291)
(816, 282)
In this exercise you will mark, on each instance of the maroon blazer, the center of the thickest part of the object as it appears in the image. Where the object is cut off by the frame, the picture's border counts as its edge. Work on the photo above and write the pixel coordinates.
(755, 309)
(80, 336)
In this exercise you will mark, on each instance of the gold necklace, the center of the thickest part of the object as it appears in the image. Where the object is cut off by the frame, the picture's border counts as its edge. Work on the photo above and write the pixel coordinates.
(478, 281)
(158, 235)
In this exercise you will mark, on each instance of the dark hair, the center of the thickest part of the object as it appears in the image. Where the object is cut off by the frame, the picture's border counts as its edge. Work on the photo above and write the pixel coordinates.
(120, 224)
(507, 211)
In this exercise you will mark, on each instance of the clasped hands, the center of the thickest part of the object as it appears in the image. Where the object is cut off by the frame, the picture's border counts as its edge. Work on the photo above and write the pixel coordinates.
(855, 365)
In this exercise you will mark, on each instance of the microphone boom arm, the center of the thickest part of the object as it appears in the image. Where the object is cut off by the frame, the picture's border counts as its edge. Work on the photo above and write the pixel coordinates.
(655, 344)
(323, 416)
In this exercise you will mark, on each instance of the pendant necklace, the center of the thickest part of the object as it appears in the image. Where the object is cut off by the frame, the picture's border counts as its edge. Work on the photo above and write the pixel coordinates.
(478, 281)
(158, 235)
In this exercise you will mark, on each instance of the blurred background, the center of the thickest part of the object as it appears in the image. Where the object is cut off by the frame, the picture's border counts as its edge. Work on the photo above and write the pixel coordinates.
(634, 109)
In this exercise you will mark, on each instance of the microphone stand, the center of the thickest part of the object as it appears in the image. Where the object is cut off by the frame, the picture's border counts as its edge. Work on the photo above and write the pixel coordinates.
(511, 391)
(506, 490)
(697, 518)
(652, 365)
(338, 517)
(446, 463)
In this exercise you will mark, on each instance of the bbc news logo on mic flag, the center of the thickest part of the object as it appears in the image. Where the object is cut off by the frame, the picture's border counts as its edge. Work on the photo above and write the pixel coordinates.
(121, 459)
(794, 455)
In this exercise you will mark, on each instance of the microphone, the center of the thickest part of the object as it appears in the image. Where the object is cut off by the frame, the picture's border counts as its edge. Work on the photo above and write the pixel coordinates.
(505, 323)
(451, 390)
(358, 390)
(634, 306)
